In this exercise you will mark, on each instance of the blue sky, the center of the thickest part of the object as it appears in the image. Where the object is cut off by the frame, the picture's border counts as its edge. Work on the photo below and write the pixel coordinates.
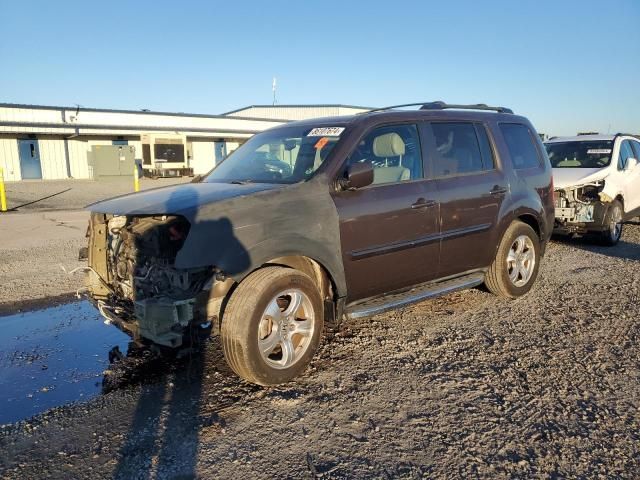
(567, 65)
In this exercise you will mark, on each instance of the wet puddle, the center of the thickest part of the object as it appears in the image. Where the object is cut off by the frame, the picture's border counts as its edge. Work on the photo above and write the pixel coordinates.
(52, 357)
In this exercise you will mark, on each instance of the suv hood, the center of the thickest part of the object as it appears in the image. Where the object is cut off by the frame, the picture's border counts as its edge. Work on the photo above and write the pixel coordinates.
(185, 199)
(573, 177)
(238, 228)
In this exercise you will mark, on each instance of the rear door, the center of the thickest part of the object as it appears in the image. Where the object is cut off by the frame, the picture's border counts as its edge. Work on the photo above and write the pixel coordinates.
(389, 230)
(471, 189)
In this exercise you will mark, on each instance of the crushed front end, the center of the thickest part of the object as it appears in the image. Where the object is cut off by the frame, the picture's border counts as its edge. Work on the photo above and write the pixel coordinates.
(581, 209)
(133, 281)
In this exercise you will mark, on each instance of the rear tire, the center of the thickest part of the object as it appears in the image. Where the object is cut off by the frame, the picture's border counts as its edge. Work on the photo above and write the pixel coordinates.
(272, 325)
(613, 221)
(515, 268)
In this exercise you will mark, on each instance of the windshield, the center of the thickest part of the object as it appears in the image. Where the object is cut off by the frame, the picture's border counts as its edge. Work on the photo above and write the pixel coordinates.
(580, 154)
(283, 155)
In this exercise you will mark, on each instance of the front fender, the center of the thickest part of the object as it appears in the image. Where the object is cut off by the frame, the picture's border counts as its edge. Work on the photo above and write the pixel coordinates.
(299, 220)
(295, 245)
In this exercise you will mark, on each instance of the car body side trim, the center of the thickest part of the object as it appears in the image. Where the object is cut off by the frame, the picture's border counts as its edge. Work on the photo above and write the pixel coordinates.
(396, 247)
(460, 232)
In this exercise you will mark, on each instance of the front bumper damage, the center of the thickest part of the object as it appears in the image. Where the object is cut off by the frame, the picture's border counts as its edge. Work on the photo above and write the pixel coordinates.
(133, 282)
(581, 209)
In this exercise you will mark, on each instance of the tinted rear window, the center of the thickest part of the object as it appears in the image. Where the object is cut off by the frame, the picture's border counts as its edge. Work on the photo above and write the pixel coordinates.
(520, 143)
(457, 150)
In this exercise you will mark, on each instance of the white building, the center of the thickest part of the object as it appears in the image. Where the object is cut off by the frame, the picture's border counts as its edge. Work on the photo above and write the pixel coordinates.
(45, 142)
(295, 112)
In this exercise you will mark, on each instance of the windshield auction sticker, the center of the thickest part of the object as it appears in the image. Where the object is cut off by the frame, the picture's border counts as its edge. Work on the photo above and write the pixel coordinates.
(321, 143)
(326, 132)
(598, 151)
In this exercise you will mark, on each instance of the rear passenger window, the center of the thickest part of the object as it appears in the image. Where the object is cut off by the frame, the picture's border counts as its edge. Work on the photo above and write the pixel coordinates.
(457, 149)
(394, 152)
(520, 143)
(485, 147)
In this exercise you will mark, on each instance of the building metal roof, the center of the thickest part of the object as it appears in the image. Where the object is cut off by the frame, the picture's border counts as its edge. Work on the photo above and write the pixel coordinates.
(140, 112)
(47, 119)
(300, 105)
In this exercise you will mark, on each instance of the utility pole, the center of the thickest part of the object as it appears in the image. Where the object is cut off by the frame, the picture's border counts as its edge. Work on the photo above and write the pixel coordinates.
(273, 87)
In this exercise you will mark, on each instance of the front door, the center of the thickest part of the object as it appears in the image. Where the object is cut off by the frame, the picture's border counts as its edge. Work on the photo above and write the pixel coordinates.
(30, 167)
(471, 190)
(389, 230)
(629, 174)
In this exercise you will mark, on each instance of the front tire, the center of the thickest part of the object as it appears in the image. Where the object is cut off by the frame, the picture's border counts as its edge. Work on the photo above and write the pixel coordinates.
(613, 222)
(515, 268)
(272, 325)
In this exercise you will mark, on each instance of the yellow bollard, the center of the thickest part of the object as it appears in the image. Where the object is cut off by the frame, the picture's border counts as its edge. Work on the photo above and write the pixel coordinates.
(136, 180)
(3, 194)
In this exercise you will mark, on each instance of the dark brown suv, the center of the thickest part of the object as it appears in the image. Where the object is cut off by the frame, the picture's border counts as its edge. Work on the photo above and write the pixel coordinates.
(318, 220)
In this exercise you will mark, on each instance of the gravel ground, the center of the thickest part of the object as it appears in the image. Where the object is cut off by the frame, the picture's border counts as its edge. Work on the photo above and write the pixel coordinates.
(465, 386)
(33, 247)
(74, 194)
(38, 238)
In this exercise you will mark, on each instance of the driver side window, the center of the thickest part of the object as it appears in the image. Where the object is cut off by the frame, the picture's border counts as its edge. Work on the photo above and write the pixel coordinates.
(394, 151)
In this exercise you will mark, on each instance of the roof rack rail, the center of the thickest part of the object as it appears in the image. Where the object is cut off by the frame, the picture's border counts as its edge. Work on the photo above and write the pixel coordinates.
(442, 106)
(477, 106)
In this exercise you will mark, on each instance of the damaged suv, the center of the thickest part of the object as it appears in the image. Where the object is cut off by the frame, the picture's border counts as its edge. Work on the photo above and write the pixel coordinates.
(319, 220)
(597, 183)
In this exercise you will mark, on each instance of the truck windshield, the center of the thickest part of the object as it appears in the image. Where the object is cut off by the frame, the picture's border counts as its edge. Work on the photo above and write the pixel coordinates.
(580, 154)
(282, 155)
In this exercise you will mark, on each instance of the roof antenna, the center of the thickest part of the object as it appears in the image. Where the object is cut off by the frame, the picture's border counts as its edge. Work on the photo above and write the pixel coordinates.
(74, 118)
(273, 87)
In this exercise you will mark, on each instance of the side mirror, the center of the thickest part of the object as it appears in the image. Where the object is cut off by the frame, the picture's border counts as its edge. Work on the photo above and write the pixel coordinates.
(631, 163)
(358, 175)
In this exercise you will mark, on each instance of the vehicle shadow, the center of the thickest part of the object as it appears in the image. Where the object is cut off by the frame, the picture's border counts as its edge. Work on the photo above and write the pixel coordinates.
(163, 436)
(158, 413)
(188, 393)
(624, 249)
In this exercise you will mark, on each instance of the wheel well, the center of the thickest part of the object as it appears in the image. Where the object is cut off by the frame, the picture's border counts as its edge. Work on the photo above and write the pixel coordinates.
(309, 266)
(222, 291)
(532, 222)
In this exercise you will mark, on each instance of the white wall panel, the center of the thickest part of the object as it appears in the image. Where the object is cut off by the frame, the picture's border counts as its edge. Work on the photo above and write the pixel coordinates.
(203, 156)
(78, 158)
(52, 158)
(137, 144)
(231, 146)
(10, 159)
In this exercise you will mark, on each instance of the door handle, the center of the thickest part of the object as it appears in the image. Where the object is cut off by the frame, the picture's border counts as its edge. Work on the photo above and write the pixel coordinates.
(498, 190)
(422, 203)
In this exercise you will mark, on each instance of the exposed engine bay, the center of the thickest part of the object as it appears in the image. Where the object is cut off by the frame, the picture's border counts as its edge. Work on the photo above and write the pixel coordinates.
(580, 208)
(134, 283)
